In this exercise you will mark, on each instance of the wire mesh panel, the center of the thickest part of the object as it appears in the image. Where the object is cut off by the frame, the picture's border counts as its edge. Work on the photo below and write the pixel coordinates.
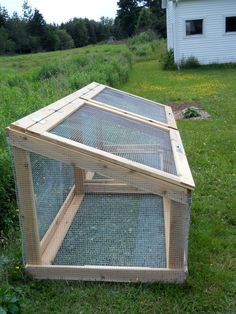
(121, 136)
(116, 230)
(52, 182)
(132, 103)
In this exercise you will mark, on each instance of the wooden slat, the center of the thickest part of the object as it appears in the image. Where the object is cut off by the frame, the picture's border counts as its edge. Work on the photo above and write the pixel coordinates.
(103, 273)
(41, 114)
(133, 148)
(124, 174)
(92, 93)
(181, 161)
(103, 181)
(105, 156)
(170, 117)
(53, 246)
(111, 188)
(27, 205)
(57, 220)
(56, 117)
(79, 180)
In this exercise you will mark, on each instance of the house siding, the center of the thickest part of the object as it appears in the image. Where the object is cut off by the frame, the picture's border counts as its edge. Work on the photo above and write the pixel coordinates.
(170, 18)
(214, 45)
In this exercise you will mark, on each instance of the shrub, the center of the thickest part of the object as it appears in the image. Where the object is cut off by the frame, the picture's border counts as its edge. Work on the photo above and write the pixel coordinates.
(191, 112)
(142, 38)
(168, 61)
(189, 63)
(144, 50)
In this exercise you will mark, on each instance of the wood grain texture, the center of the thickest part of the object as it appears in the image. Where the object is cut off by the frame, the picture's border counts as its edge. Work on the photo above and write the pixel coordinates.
(106, 273)
(28, 215)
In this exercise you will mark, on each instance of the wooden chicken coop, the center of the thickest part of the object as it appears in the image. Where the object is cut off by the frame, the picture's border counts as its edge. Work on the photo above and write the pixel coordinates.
(104, 189)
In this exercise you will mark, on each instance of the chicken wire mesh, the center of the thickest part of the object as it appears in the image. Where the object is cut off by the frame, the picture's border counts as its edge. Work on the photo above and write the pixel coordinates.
(109, 228)
(120, 136)
(116, 230)
(52, 181)
(87, 209)
(132, 103)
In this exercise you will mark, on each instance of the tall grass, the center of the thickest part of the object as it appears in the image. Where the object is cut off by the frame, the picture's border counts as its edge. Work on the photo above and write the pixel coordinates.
(30, 82)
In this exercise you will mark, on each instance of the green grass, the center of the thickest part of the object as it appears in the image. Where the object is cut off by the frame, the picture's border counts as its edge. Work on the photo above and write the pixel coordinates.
(211, 149)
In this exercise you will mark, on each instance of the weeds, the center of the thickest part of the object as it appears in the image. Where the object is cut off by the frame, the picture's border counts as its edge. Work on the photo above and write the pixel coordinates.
(168, 61)
(9, 302)
(189, 63)
(53, 76)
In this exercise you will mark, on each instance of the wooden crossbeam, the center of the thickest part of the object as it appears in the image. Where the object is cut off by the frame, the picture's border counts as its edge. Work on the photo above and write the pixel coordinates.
(57, 220)
(63, 226)
(112, 188)
(107, 273)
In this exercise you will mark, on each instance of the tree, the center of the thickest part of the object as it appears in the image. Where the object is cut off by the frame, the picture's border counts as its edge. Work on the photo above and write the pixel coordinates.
(91, 28)
(3, 16)
(18, 32)
(50, 41)
(37, 28)
(78, 31)
(31, 33)
(37, 24)
(127, 16)
(144, 22)
(158, 16)
(27, 11)
(65, 40)
(6, 44)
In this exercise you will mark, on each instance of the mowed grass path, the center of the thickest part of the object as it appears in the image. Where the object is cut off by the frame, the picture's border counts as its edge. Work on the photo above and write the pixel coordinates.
(211, 149)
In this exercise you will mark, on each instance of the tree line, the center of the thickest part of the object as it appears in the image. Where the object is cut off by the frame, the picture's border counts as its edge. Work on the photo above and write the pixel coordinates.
(30, 32)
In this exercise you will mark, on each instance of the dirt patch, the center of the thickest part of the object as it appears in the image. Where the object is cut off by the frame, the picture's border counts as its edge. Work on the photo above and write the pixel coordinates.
(179, 107)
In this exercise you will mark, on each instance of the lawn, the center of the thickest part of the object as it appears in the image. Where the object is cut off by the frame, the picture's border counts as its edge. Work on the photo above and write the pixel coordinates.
(211, 149)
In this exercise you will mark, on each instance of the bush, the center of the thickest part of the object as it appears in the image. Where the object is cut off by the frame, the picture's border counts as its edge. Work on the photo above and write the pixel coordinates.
(144, 50)
(191, 112)
(168, 61)
(142, 38)
(189, 63)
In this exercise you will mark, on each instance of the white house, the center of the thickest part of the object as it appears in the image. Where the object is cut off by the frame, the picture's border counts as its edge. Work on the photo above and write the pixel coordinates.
(205, 29)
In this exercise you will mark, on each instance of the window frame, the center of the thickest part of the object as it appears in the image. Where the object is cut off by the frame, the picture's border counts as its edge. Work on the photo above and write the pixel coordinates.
(194, 35)
(225, 21)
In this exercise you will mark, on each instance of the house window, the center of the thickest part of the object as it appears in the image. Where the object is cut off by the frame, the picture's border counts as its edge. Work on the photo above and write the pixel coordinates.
(194, 27)
(230, 24)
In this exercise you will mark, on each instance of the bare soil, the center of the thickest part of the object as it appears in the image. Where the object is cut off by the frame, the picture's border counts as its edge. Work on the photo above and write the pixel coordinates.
(179, 107)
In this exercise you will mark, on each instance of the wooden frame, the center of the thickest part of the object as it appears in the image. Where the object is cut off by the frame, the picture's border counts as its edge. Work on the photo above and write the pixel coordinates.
(32, 134)
(170, 120)
(110, 274)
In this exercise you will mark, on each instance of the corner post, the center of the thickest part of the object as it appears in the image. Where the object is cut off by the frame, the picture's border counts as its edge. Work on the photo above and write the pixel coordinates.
(26, 200)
